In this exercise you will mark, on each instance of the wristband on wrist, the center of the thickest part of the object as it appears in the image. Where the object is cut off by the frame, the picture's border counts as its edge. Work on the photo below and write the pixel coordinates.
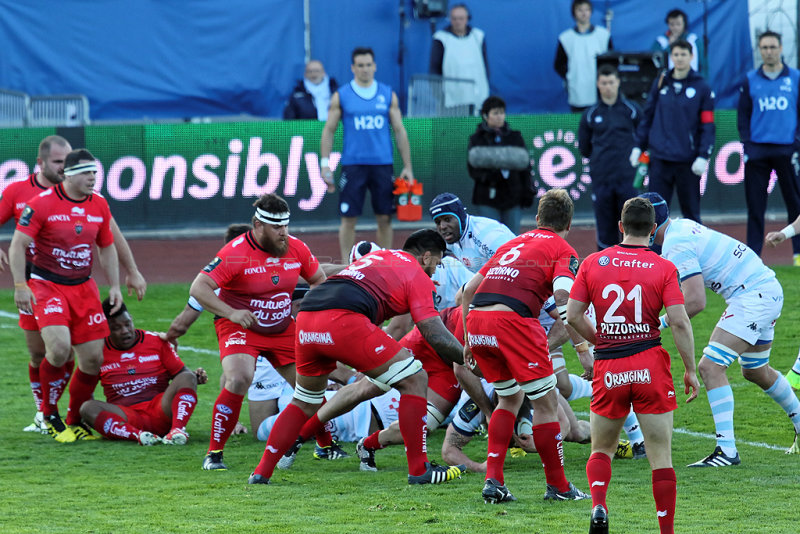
(324, 162)
(582, 346)
(20, 285)
(789, 232)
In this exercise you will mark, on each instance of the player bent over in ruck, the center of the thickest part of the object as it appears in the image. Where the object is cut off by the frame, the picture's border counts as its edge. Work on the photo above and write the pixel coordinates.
(628, 285)
(340, 321)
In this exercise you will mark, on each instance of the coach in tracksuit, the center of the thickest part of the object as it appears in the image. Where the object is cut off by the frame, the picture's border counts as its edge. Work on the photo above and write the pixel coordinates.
(767, 120)
(606, 136)
(677, 128)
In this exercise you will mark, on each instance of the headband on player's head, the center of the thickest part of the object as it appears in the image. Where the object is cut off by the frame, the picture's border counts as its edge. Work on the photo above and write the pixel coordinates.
(78, 168)
(281, 219)
(661, 209)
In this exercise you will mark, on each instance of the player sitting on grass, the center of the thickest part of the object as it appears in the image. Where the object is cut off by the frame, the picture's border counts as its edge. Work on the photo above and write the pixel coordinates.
(149, 390)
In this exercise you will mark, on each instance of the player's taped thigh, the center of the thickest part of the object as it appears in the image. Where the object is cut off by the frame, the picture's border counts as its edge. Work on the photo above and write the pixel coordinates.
(505, 388)
(398, 371)
(754, 360)
(720, 354)
(308, 396)
(539, 387)
(435, 417)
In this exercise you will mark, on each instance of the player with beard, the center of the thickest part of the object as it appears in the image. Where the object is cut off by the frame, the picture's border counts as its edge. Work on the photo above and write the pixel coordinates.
(256, 274)
(53, 149)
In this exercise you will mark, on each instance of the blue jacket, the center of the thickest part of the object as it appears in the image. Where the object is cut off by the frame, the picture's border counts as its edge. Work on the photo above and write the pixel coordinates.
(678, 119)
(301, 104)
(771, 126)
(606, 136)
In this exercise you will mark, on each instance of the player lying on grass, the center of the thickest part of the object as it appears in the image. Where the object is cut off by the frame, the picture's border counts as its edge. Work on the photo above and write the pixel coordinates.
(149, 391)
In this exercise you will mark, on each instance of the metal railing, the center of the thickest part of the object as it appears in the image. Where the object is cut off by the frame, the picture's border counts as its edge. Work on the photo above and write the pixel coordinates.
(14, 109)
(428, 95)
(59, 110)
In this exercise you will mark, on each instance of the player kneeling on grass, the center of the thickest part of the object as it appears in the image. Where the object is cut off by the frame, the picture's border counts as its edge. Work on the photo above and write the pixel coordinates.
(149, 390)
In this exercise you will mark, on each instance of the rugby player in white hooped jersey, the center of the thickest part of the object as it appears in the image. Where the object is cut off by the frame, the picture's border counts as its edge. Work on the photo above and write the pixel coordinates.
(754, 298)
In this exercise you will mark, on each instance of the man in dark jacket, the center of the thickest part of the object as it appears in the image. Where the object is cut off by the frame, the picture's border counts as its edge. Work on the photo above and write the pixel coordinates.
(311, 97)
(606, 136)
(678, 129)
(500, 165)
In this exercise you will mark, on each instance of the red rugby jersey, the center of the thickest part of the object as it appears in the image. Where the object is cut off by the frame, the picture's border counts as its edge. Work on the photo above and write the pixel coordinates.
(628, 286)
(14, 199)
(416, 343)
(251, 278)
(521, 273)
(396, 281)
(139, 373)
(64, 231)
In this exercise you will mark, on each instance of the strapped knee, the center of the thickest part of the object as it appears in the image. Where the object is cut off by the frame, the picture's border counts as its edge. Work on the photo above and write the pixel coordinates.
(435, 417)
(720, 354)
(539, 388)
(505, 388)
(308, 396)
(754, 360)
(399, 371)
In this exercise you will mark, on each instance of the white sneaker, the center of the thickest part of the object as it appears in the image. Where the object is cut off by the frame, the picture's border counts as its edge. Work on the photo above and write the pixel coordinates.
(176, 436)
(37, 425)
(148, 438)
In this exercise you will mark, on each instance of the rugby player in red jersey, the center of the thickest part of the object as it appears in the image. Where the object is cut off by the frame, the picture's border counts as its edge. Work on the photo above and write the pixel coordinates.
(256, 274)
(50, 158)
(628, 285)
(149, 391)
(341, 322)
(66, 221)
(510, 346)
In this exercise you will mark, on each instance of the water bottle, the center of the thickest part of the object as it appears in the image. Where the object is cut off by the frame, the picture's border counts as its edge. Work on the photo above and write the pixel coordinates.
(641, 170)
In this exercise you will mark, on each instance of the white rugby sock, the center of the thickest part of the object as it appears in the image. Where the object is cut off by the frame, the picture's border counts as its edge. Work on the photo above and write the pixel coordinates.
(580, 388)
(632, 428)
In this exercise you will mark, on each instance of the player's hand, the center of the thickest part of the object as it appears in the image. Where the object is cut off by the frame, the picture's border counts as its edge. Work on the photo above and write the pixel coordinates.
(24, 299)
(136, 282)
(239, 428)
(202, 376)
(327, 177)
(587, 361)
(634, 157)
(524, 442)
(243, 318)
(407, 174)
(469, 361)
(690, 383)
(699, 166)
(3, 260)
(773, 239)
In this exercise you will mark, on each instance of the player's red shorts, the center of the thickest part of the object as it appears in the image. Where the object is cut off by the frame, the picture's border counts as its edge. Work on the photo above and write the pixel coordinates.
(643, 380)
(325, 337)
(441, 378)
(277, 348)
(149, 416)
(77, 307)
(27, 321)
(506, 345)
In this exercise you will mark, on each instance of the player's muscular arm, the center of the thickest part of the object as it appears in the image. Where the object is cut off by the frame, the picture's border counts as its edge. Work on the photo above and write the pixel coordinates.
(180, 325)
(443, 342)
(453, 453)
(110, 262)
(472, 385)
(134, 280)
(576, 318)
(23, 297)
(694, 294)
(203, 290)
(684, 341)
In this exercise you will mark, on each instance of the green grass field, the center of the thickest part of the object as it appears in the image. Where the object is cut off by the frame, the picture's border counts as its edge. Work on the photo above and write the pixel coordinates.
(120, 487)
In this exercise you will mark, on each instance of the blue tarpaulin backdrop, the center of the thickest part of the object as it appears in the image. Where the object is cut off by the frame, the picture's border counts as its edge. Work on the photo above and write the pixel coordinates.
(184, 58)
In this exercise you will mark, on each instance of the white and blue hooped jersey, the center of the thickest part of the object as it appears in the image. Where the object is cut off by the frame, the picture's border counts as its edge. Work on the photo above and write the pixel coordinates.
(727, 265)
(450, 275)
(479, 241)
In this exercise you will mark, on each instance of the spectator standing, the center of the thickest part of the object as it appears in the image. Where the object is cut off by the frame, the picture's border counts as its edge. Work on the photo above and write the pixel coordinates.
(311, 97)
(366, 108)
(459, 51)
(576, 56)
(678, 30)
(677, 127)
(606, 136)
(499, 163)
(767, 120)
